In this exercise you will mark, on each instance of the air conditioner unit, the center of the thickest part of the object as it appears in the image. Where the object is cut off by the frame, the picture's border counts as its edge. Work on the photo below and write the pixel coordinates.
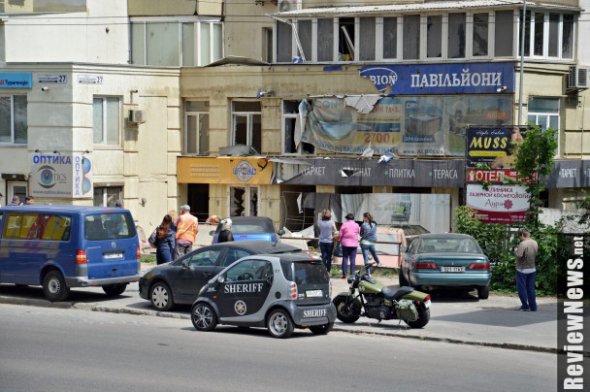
(578, 78)
(136, 116)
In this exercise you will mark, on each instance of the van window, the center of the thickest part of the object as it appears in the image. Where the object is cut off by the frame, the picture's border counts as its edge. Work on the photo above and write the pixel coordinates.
(29, 226)
(111, 226)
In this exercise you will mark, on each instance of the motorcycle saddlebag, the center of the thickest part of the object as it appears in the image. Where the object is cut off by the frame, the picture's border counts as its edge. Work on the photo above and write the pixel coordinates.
(407, 310)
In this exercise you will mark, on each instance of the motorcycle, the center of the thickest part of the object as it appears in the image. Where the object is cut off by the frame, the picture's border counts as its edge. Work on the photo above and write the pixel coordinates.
(381, 302)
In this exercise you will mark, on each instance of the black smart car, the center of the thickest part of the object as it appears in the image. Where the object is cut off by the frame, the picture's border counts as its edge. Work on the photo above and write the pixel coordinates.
(278, 291)
(179, 281)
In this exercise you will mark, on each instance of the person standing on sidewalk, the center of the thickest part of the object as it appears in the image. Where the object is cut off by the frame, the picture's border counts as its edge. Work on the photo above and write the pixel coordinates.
(349, 238)
(368, 238)
(187, 227)
(163, 239)
(327, 231)
(526, 254)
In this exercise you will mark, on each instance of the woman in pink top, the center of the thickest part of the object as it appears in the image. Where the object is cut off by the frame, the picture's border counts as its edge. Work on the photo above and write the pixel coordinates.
(349, 238)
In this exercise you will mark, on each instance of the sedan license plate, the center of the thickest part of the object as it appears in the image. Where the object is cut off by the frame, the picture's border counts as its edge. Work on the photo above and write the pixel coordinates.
(314, 293)
(452, 269)
(110, 256)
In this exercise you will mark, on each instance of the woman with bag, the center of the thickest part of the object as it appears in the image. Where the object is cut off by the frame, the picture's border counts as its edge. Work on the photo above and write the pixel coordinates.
(163, 239)
(368, 238)
(327, 234)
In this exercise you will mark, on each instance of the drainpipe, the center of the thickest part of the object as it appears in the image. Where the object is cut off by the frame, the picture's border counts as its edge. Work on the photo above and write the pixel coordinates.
(520, 82)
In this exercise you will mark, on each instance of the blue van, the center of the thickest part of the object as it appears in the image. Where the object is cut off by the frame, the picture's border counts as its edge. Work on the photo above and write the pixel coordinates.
(65, 246)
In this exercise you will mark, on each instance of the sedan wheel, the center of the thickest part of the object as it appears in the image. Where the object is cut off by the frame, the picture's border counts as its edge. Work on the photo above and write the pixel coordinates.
(161, 296)
(203, 317)
(279, 324)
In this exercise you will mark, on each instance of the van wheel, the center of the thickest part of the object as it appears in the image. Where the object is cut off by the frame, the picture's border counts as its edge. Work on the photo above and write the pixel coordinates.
(112, 290)
(161, 296)
(279, 324)
(54, 286)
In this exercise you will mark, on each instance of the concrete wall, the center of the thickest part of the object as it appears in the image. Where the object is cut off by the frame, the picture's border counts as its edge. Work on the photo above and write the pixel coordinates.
(244, 19)
(97, 36)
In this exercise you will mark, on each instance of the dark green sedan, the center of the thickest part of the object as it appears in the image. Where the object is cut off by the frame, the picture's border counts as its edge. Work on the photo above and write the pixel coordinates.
(446, 260)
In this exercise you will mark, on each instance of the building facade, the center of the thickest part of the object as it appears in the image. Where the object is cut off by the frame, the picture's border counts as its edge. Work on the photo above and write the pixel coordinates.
(279, 109)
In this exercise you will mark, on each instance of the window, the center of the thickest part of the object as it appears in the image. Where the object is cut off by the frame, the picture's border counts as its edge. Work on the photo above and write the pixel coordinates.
(292, 132)
(346, 39)
(548, 34)
(433, 36)
(108, 226)
(480, 34)
(267, 53)
(207, 258)
(243, 202)
(188, 42)
(197, 127)
(304, 30)
(325, 39)
(233, 255)
(247, 128)
(38, 226)
(411, 37)
(389, 38)
(544, 112)
(106, 117)
(107, 196)
(13, 119)
(250, 270)
(456, 36)
(366, 39)
(284, 42)
(504, 34)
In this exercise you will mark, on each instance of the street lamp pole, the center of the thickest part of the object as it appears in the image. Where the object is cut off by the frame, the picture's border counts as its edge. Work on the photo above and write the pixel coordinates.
(522, 28)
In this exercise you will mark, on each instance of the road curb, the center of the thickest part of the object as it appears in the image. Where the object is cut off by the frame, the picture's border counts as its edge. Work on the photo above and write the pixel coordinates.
(360, 331)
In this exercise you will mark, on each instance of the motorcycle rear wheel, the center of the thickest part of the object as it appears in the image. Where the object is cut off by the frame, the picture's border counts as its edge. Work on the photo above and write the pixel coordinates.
(347, 310)
(423, 317)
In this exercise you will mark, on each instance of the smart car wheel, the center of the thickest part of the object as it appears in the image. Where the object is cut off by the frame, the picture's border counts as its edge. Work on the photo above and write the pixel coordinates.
(161, 296)
(54, 286)
(321, 329)
(203, 316)
(279, 324)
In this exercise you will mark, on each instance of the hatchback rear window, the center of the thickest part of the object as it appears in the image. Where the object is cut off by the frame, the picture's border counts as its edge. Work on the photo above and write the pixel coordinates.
(306, 272)
(108, 226)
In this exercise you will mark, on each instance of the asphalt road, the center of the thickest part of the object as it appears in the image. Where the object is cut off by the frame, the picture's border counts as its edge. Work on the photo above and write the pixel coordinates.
(50, 349)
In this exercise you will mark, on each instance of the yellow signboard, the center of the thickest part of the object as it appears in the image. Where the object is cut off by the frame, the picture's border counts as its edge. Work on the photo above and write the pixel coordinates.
(224, 170)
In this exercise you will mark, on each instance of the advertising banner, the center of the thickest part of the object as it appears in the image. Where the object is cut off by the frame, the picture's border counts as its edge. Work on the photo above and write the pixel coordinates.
(16, 80)
(407, 126)
(61, 176)
(498, 203)
(224, 170)
(494, 147)
(461, 78)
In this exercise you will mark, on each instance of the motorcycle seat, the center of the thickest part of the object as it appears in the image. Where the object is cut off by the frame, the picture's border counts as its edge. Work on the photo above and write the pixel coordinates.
(390, 292)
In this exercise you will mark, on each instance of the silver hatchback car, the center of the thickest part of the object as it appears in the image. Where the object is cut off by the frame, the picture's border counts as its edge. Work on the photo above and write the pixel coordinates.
(280, 292)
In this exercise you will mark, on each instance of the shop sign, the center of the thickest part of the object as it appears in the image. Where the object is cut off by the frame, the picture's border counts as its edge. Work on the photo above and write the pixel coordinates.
(461, 78)
(61, 176)
(224, 170)
(16, 80)
(494, 147)
(573, 173)
(504, 204)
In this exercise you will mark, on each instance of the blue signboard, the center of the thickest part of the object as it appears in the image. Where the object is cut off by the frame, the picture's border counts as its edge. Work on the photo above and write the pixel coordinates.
(463, 78)
(16, 80)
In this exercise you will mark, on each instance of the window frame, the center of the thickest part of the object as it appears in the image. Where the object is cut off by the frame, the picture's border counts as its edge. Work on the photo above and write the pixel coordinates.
(290, 116)
(105, 194)
(180, 22)
(198, 131)
(546, 32)
(249, 115)
(12, 141)
(105, 131)
(548, 115)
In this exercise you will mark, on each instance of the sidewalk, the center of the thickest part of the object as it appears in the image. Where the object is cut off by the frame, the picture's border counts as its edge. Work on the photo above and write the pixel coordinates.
(454, 318)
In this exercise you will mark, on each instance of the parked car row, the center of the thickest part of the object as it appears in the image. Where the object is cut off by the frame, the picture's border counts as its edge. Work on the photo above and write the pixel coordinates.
(254, 281)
